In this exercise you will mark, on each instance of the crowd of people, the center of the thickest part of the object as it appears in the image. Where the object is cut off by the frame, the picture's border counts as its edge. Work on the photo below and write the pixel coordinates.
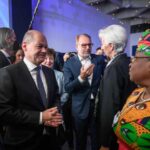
(49, 98)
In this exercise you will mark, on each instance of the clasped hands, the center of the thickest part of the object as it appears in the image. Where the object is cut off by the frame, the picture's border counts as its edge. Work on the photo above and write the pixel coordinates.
(52, 117)
(86, 71)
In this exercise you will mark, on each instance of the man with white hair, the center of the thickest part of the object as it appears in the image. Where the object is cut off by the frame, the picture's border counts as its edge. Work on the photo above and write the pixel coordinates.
(115, 85)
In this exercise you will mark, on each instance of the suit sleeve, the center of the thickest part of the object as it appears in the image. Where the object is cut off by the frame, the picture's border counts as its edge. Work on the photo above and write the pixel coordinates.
(9, 112)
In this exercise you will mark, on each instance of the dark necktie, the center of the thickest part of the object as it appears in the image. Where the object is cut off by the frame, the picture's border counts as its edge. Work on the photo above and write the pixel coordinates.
(41, 86)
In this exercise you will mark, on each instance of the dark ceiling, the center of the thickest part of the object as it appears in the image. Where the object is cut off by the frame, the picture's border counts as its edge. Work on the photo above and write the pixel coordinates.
(133, 12)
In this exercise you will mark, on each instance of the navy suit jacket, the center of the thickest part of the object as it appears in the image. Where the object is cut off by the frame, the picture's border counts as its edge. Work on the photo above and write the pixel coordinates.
(21, 104)
(81, 92)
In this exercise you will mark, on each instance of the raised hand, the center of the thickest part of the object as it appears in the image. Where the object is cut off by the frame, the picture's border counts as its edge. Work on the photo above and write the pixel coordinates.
(86, 71)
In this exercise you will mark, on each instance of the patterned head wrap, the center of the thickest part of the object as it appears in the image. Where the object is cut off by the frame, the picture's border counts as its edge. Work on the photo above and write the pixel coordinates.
(144, 43)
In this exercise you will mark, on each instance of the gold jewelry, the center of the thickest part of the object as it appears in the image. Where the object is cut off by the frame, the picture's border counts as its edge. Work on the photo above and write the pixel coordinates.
(142, 97)
(135, 104)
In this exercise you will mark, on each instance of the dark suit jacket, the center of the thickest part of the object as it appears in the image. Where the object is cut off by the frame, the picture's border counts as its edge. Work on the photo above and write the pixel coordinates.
(81, 92)
(115, 87)
(3, 63)
(21, 104)
(59, 61)
(3, 60)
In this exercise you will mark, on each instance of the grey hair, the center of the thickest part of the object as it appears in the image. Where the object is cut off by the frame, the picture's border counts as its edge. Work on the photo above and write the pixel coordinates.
(5, 33)
(28, 37)
(84, 34)
(116, 35)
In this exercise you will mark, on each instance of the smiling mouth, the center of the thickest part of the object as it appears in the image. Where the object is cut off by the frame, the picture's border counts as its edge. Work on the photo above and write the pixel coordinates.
(42, 55)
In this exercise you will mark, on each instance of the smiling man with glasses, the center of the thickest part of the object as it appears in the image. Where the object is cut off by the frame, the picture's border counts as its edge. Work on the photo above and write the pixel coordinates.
(82, 74)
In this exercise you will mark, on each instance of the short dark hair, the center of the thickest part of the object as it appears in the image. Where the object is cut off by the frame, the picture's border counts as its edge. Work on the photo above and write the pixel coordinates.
(84, 34)
(51, 51)
(98, 48)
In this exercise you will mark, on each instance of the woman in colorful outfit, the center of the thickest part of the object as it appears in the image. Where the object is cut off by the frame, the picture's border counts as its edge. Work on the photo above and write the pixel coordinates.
(132, 124)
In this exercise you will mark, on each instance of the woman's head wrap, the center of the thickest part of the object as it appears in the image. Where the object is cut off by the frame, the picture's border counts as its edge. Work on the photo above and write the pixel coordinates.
(144, 43)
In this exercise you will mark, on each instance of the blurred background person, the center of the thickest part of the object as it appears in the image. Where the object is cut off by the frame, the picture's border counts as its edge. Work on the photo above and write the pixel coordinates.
(49, 62)
(115, 85)
(7, 45)
(68, 55)
(19, 55)
(7, 42)
(132, 124)
(82, 74)
(99, 51)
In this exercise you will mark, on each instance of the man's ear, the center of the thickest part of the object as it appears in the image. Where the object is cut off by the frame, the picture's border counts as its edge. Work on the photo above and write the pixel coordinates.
(24, 46)
(111, 45)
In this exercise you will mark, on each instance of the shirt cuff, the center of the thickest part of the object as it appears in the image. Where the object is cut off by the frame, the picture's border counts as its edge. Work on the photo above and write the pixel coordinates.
(40, 121)
(80, 79)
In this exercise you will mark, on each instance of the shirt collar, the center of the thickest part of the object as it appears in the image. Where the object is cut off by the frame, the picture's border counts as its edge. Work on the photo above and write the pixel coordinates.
(29, 64)
(81, 59)
(114, 58)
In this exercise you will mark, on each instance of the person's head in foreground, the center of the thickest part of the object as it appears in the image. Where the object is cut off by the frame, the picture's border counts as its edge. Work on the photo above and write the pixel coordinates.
(140, 64)
(132, 125)
(113, 40)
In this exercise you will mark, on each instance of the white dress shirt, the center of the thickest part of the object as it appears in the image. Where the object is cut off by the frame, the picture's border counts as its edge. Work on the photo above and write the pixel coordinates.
(31, 67)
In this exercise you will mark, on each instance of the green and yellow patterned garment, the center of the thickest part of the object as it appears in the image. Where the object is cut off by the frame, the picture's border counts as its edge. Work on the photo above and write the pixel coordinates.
(132, 125)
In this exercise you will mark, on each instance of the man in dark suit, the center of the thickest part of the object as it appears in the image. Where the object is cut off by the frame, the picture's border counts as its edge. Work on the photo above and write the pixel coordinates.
(115, 85)
(82, 74)
(7, 42)
(28, 91)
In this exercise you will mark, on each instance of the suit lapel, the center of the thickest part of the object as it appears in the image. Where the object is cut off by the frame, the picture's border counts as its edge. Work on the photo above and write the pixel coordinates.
(93, 61)
(30, 82)
(5, 60)
(77, 65)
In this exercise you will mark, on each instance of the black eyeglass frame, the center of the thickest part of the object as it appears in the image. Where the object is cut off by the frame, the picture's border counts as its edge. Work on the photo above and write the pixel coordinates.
(86, 44)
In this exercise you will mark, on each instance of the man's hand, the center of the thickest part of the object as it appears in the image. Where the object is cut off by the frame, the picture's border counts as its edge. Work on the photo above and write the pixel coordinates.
(51, 117)
(86, 71)
(55, 122)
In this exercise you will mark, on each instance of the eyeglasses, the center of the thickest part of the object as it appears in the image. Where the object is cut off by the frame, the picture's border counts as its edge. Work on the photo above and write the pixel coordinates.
(84, 45)
(134, 58)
